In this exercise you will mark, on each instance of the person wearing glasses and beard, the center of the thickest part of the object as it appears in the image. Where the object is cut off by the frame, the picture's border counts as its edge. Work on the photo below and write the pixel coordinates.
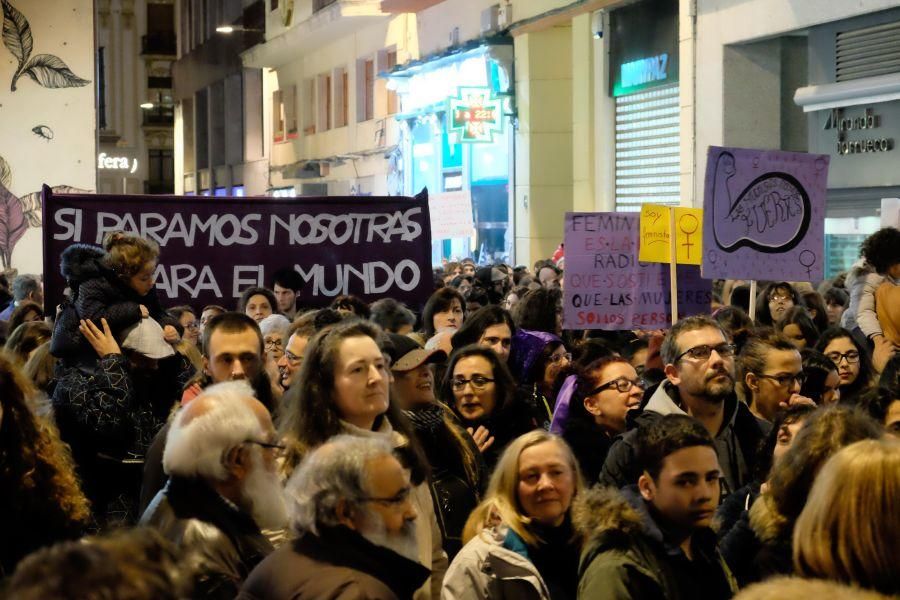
(700, 377)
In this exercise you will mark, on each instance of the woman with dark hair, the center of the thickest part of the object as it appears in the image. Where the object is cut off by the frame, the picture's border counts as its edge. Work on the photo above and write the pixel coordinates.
(822, 383)
(774, 301)
(836, 301)
(540, 310)
(537, 360)
(344, 388)
(607, 389)
(489, 326)
(883, 405)
(446, 308)
(257, 303)
(25, 312)
(187, 320)
(798, 326)
(24, 339)
(736, 323)
(815, 305)
(852, 361)
(890, 376)
(351, 305)
(481, 392)
(41, 502)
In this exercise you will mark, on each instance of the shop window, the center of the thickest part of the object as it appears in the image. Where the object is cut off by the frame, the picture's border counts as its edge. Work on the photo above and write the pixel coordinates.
(424, 158)
(647, 148)
(278, 116)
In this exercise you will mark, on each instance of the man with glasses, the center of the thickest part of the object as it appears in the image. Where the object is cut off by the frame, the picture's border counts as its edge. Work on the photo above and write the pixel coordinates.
(354, 525)
(290, 362)
(223, 488)
(700, 377)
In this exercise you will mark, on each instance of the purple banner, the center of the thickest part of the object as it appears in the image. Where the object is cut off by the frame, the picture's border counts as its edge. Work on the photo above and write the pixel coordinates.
(764, 215)
(214, 248)
(605, 285)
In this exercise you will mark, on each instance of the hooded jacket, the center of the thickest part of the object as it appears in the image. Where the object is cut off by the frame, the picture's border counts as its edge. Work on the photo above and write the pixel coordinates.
(736, 442)
(625, 554)
(760, 543)
(96, 292)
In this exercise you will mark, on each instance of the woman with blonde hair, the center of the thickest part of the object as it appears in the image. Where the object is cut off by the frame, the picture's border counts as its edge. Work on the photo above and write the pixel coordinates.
(520, 539)
(849, 530)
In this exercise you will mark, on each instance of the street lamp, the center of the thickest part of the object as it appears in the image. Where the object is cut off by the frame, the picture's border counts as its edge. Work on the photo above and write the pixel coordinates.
(232, 28)
(147, 105)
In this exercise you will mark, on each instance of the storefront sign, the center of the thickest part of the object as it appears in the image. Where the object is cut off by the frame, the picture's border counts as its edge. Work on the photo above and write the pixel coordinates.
(606, 287)
(116, 163)
(844, 124)
(643, 46)
(764, 214)
(213, 249)
(475, 116)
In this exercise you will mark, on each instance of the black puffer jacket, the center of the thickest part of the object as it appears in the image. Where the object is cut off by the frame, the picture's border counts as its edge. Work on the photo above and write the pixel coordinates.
(96, 292)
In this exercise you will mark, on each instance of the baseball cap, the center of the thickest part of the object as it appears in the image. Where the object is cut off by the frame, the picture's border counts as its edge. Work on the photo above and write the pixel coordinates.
(406, 354)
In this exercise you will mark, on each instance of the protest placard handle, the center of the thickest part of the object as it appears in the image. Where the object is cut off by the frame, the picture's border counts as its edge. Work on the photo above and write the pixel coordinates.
(752, 307)
(673, 264)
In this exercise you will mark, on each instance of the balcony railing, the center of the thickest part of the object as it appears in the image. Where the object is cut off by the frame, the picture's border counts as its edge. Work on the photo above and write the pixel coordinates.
(159, 43)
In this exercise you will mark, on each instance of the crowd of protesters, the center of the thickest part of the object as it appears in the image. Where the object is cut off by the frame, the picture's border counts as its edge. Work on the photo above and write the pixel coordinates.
(474, 449)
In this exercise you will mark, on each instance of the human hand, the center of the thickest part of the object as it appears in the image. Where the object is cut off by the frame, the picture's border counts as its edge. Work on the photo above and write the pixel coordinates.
(796, 399)
(144, 312)
(170, 334)
(882, 353)
(102, 342)
(482, 437)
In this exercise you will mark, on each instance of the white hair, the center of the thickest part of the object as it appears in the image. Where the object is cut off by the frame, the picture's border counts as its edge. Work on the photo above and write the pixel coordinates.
(274, 323)
(195, 447)
(333, 472)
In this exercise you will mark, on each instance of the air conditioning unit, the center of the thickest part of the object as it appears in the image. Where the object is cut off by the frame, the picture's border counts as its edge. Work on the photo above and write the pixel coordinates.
(490, 19)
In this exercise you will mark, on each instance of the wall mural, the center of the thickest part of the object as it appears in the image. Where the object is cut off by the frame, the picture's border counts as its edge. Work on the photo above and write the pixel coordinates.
(49, 118)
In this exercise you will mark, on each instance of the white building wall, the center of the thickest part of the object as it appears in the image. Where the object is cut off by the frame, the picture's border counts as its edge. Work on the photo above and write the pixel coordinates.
(724, 22)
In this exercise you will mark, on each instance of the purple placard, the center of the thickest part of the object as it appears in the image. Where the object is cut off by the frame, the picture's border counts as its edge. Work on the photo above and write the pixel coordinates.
(214, 248)
(605, 285)
(764, 214)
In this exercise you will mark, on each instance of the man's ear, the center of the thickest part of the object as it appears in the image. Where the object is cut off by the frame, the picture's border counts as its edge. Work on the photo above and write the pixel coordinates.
(592, 406)
(206, 367)
(672, 374)
(345, 514)
(237, 462)
(752, 381)
(646, 486)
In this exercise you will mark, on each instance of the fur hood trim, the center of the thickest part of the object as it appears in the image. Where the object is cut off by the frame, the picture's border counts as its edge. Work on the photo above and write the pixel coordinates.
(604, 511)
(80, 262)
(765, 520)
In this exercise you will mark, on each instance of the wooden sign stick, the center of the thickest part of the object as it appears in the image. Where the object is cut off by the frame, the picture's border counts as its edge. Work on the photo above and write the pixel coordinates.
(752, 312)
(673, 263)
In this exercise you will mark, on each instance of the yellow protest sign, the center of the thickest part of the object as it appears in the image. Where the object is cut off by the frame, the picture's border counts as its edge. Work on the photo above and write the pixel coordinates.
(654, 228)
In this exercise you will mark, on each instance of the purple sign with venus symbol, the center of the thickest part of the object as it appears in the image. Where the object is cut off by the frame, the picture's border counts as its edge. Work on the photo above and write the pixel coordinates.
(764, 214)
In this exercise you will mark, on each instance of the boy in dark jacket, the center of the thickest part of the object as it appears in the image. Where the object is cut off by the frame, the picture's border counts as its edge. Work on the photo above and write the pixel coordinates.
(653, 540)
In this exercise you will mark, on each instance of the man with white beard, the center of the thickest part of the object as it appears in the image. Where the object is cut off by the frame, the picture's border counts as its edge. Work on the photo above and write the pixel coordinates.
(355, 529)
(223, 487)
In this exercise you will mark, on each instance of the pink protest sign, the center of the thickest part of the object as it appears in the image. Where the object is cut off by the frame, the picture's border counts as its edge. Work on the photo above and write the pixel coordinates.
(764, 214)
(605, 285)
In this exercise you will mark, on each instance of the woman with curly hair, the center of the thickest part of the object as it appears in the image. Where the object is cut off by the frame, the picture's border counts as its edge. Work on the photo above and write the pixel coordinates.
(540, 310)
(25, 312)
(878, 315)
(41, 502)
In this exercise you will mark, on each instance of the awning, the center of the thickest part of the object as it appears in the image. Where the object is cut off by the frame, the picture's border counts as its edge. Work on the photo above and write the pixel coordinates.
(869, 90)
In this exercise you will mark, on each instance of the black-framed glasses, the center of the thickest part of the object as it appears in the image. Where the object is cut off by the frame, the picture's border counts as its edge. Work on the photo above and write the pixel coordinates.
(395, 500)
(292, 358)
(273, 344)
(704, 351)
(478, 382)
(836, 357)
(786, 379)
(622, 384)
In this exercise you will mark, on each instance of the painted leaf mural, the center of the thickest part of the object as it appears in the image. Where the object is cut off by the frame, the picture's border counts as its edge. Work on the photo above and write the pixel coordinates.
(46, 70)
(12, 224)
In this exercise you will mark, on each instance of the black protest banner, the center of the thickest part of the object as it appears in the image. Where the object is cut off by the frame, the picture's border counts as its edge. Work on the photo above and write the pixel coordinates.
(214, 248)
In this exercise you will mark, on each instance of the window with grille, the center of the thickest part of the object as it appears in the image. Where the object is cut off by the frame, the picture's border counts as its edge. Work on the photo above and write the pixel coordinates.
(647, 148)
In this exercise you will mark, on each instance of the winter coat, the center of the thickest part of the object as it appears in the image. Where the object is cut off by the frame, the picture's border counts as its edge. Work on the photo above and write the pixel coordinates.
(336, 564)
(626, 556)
(220, 544)
(760, 544)
(96, 292)
(493, 566)
(780, 588)
(855, 284)
(736, 442)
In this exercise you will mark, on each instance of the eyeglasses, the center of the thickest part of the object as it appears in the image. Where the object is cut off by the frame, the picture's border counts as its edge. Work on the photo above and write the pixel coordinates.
(851, 356)
(395, 500)
(478, 383)
(786, 379)
(273, 344)
(293, 358)
(558, 357)
(279, 448)
(780, 299)
(705, 351)
(621, 384)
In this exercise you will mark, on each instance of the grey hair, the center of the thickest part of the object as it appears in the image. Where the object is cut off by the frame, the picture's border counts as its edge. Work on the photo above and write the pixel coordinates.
(24, 285)
(274, 323)
(333, 472)
(669, 350)
(195, 447)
